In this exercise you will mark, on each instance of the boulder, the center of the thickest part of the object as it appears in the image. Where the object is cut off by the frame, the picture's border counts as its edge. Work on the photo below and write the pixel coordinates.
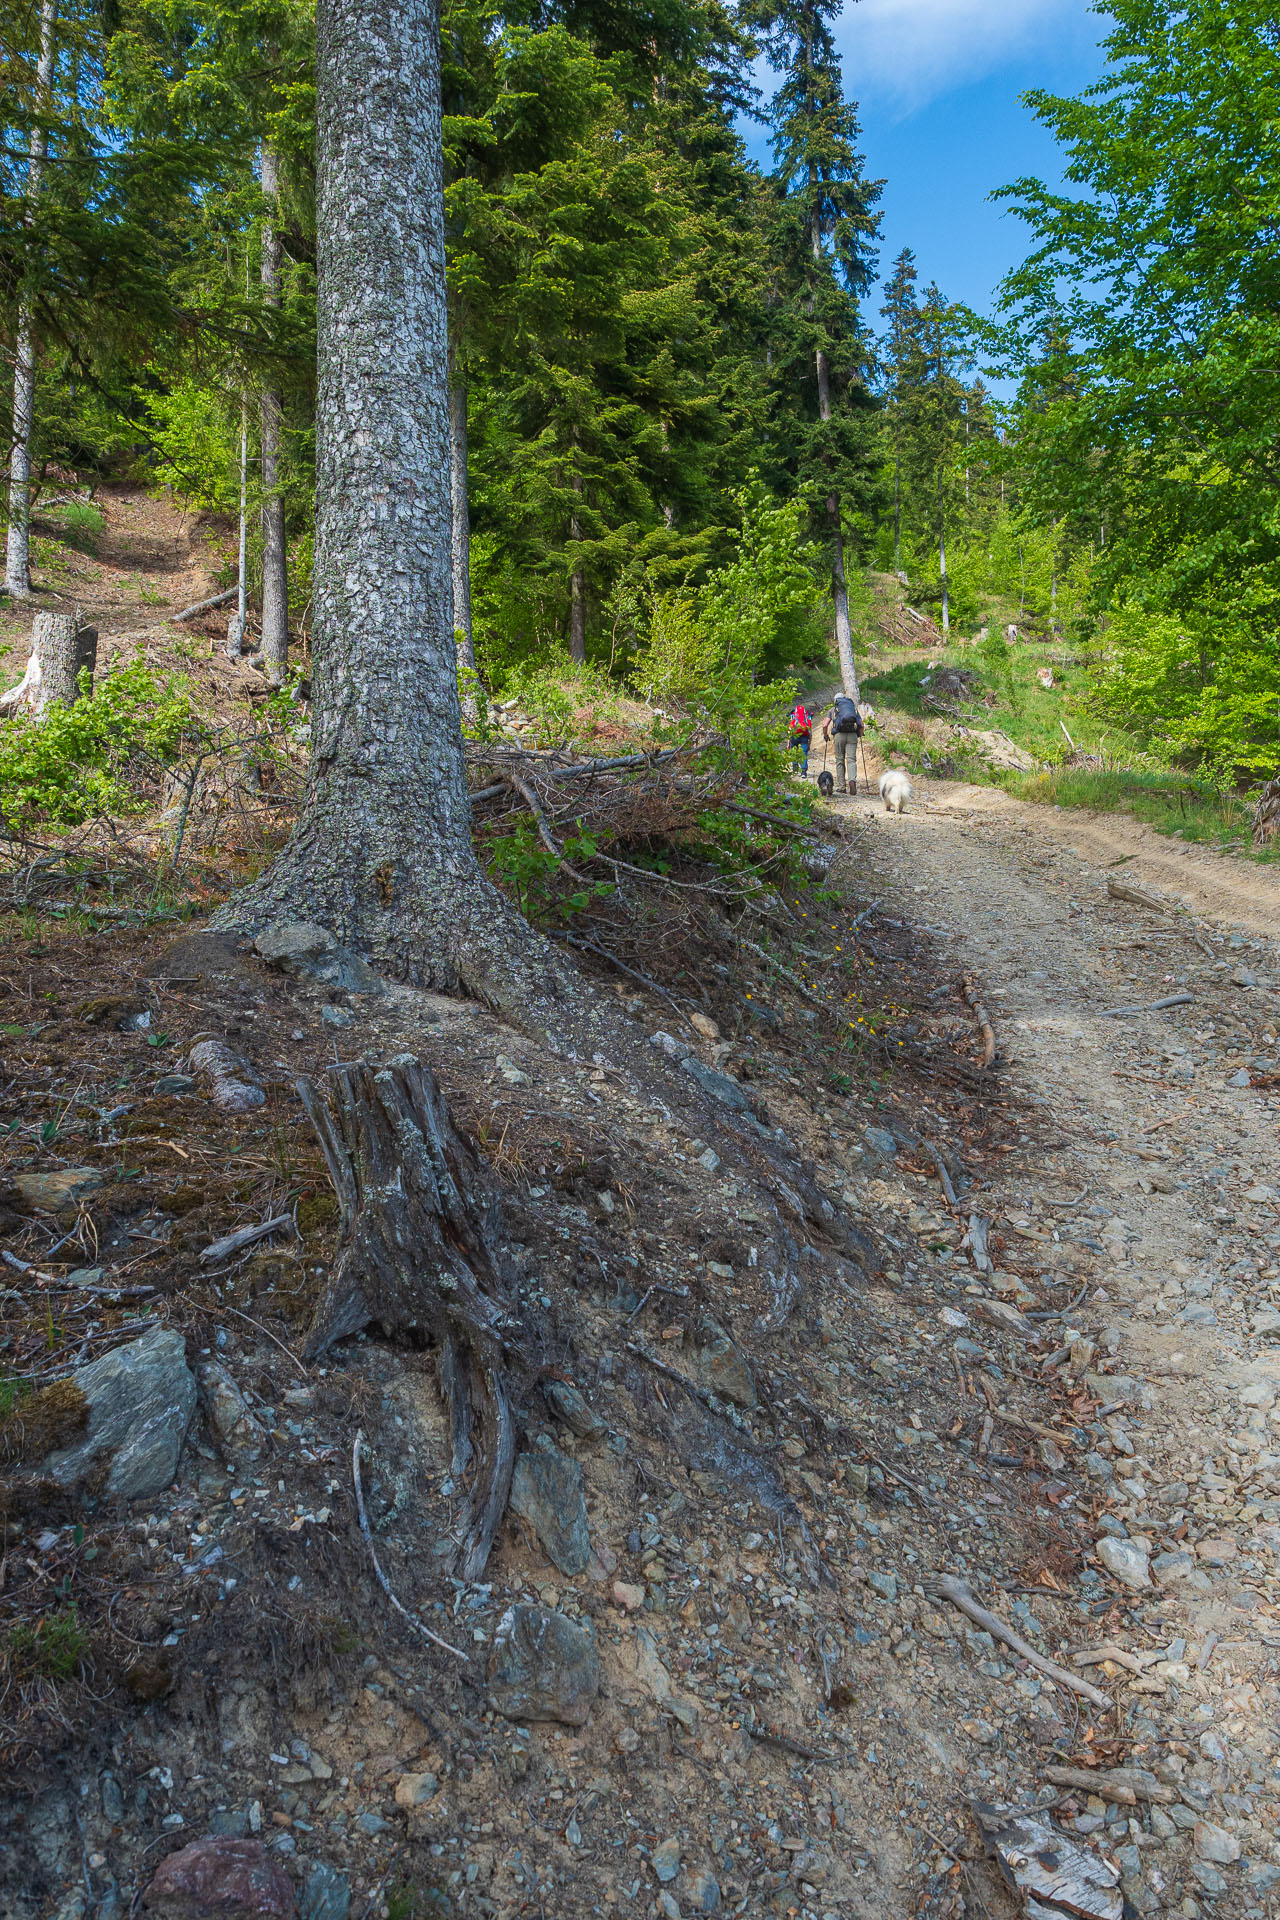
(543, 1667)
(546, 1491)
(140, 1399)
(220, 1878)
(51, 1192)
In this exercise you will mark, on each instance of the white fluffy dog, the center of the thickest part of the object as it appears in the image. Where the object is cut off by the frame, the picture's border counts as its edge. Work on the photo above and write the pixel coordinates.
(895, 790)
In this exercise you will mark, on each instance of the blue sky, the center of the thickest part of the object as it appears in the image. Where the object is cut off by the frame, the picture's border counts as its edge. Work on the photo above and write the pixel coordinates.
(938, 84)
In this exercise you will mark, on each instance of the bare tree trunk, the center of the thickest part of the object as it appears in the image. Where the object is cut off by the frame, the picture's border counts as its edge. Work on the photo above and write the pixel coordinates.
(382, 852)
(942, 565)
(275, 556)
(60, 651)
(17, 567)
(461, 522)
(897, 512)
(420, 1223)
(241, 623)
(577, 590)
(835, 534)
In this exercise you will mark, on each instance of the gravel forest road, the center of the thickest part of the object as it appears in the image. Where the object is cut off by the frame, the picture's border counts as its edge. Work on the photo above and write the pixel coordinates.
(1170, 1134)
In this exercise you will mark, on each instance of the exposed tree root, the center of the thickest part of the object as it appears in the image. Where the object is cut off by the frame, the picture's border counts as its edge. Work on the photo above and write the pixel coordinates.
(418, 1254)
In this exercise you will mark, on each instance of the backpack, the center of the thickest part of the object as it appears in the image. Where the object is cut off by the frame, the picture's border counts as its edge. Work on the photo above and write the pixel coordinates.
(800, 720)
(847, 719)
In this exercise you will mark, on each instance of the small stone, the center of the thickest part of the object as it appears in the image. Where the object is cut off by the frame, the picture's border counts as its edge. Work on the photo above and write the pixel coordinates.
(294, 945)
(626, 1740)
(1171, 1569)
(1216, 1843)
(543, 1667)
(1240, 1078)
(415, 1789)
(568, 1405)
(629, 1598)
(546, 1490)
(718, 1085)
(112, 1799)
(228, 1410)
(220, 1876)
(510, 1072)
(1217, 1552)
(52, 1192)
(709, 1159)
(703, 1024)
(334, 1016)
(666, 1860)
(326, 1895)
(140, 1400)
(668, 1044)
(1266, 1322)
(233, 1821)
(174, 1086)
(700, 1890)
(1125, 1561)
(880, 1141)
(724, 1368)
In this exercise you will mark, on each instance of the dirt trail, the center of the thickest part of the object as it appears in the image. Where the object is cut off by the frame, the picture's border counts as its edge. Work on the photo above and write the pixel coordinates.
(1175, 1234)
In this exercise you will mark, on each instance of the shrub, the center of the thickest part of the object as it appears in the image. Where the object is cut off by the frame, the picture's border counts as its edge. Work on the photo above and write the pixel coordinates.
(86, 761)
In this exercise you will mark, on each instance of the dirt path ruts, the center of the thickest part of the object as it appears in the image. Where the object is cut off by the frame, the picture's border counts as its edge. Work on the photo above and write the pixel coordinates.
(1177, 1232)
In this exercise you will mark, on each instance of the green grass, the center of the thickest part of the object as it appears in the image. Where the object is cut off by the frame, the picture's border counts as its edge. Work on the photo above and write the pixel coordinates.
(1169, 802)
(81, 525)
(1129, 779)
(51, 1648)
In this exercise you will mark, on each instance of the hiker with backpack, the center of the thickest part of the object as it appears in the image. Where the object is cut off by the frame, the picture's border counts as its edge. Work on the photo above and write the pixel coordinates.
(844, 725)
(800, 734)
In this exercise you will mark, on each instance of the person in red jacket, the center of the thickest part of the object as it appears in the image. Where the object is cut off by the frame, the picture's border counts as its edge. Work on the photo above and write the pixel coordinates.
(800, 734)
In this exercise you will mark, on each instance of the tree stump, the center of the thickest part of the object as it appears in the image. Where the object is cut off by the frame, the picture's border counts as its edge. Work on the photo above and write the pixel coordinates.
(417, 1256)
(1266, 814)
(60, 651)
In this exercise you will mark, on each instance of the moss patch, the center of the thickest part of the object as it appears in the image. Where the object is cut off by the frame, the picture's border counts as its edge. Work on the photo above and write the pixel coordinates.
(35, 1423)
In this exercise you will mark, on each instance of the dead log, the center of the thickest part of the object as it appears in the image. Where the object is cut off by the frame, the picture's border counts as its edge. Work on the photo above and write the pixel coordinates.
(418, 1255)
(61, 650)
(1266, 814)
(206, 606)
(969, 991)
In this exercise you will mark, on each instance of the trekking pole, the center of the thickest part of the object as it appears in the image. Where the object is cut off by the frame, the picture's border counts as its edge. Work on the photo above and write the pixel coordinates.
(866, 776)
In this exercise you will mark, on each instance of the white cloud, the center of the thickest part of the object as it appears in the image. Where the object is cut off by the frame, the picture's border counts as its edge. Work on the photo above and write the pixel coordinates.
(906, 52)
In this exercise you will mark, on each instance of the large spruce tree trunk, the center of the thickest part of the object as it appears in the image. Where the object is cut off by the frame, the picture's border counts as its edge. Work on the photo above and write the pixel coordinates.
(382, 853)
(577, 588)
(17, 564)
(275, 557)
(461, 513)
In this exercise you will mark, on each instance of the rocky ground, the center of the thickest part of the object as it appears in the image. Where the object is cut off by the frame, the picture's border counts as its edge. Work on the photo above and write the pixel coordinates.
(828, 1355)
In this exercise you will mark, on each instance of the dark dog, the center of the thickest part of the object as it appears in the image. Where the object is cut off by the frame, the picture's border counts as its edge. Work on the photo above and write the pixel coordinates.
(826, 785)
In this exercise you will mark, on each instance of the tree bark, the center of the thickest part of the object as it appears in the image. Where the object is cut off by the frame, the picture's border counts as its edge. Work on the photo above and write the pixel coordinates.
(577, 590)
(60, 651)
(420, 1223)
(942, 564)
(835, 534)
(17, 567)
(461, 514)
(382, 853)
(275, 556)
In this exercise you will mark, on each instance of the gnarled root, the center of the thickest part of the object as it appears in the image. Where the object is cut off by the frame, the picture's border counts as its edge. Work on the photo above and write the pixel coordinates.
(420, 1227)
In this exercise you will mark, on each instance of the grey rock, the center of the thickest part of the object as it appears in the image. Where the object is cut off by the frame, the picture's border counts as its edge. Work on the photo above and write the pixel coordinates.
(1240, 1078)
(668, 1044)
(880, 1141)
(51, 1192)
(543, 1667)
(302, 948)
(1216, 1843)
(885, 1584)
(174, 1085)
(1198, 1314)
(141, 1398)
(1172, 1569)
(231, 1822)
(372, 1823)
(666, 1860)
(1161, 1825)
(700, 1890)
(546, 1490)
(336, 1016)
(228, 1410)
(1263, 1875)
(1125, 1561)
(112, 1799)
(724, 1369)
(1265, 1323)
(1097, 1466)
(719, 1085)
(326, 1895)
(569, 1406)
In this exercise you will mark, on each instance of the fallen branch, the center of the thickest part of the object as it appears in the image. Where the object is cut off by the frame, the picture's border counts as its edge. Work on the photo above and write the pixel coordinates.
(1150, 1006)
(251, 1322)
(1121, 890)
(418, 1626)
(531, 800)
(641, 979)
(707, 1398)
(793, 979)
(949, 1588)
(243, 1237)
(1134, 1662)
(1125, 1785)
(945, 1178)
(969, 991)
(206, 606)
(788, 1745)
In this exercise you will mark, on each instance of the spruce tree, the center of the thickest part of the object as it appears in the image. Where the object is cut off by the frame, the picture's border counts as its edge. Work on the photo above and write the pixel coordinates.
(902, 360)
(826, 227)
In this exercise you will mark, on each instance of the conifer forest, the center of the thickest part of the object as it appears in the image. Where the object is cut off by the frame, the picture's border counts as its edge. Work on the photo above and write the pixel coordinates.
(639, 941)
